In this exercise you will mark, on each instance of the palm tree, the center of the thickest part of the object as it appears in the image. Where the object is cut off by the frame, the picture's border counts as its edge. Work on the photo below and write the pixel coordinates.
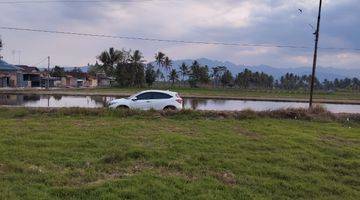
(137, 61)
(137, 57)
(173, 76)
(110, 59)
(184, 70)
(159, 58)
(159, 74)
(167, 63)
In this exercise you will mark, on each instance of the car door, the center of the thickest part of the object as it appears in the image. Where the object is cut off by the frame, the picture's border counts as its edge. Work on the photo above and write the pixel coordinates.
(142, 101)
(161, 100)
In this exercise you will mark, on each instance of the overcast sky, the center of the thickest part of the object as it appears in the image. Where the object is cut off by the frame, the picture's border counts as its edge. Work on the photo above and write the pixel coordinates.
(239, 21)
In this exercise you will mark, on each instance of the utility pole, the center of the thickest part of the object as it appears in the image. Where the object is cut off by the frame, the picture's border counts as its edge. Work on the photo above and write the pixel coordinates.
(317, 33)
(48, 75)
(1, 46)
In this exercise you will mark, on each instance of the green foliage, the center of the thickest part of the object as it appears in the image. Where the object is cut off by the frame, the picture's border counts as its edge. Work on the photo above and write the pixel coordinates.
(110, 59)
(96, 69)
(248, 79)
(150, 75)
(184, 70)
(57, 72)
(76, 72)
(173, 76)
(126, 66)
(198, 74)
(227, 78)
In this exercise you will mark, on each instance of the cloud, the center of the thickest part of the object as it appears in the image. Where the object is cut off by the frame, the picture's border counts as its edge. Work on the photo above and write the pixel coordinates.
(242, 21)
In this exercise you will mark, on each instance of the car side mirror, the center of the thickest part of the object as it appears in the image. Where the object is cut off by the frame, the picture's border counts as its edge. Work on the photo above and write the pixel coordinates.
(134, 99)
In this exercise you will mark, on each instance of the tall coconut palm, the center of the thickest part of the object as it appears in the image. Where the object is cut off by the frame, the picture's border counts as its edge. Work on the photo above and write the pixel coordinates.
(137, 57)
(159, 58)
(167, 63)
(184, 70)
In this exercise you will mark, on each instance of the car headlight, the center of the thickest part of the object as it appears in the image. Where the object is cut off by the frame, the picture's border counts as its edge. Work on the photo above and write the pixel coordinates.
(111, 103)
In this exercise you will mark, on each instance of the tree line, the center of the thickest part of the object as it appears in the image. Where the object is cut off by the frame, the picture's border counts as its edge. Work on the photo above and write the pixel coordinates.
(129, 69)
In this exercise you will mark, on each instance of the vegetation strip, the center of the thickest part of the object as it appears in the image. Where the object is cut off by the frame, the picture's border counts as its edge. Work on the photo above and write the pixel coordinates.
(317, 113)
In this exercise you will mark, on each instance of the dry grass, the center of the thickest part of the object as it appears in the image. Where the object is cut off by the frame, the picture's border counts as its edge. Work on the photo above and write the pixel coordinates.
(317, 113)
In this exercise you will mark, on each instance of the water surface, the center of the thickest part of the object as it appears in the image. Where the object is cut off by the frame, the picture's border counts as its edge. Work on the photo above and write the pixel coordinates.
(196, 104)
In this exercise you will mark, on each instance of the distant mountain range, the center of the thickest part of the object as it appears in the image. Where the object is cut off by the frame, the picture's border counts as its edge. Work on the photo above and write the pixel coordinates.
(329, 73)
(322, 73)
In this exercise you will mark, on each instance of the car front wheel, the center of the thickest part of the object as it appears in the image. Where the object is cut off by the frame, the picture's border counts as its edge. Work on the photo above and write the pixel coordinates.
(122, 107)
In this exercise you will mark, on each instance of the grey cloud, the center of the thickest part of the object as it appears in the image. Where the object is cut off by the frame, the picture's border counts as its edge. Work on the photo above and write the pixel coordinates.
(271, 22)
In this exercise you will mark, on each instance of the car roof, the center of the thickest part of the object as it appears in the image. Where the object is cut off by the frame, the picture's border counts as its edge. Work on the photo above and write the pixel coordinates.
(160, 91)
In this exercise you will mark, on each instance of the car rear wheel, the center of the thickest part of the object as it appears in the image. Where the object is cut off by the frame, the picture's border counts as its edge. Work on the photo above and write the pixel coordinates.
(170, 108)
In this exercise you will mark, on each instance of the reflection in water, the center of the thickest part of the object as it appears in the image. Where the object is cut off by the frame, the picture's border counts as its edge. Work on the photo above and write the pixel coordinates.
(195, 104)
(57, 97)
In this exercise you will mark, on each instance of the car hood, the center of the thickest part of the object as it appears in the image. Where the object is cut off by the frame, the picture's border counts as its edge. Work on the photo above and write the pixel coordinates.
(116, 101)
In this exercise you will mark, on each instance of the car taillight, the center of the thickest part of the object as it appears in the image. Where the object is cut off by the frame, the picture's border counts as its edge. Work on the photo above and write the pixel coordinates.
(180, 101)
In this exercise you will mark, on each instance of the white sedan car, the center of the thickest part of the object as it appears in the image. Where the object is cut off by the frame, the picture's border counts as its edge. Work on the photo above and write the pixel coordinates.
(150, 99)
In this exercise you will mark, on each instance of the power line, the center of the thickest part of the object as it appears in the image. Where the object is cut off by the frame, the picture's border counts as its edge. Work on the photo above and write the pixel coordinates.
(171, 41)
(40, 62)
(75, 1)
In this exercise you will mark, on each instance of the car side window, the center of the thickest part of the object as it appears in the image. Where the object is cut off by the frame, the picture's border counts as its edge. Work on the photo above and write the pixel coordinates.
(158, 95)
(144, 96)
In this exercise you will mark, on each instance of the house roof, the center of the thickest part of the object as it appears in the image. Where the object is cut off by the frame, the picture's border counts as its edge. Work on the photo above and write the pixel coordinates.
(4, 66)
(28, 69)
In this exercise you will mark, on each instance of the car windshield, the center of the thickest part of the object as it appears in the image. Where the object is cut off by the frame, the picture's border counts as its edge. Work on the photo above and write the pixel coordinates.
(133, 96)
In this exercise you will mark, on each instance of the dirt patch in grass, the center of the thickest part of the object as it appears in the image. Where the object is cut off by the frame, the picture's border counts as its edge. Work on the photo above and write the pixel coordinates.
(338, 140)
(228, 178)
(247, 133)
(106, 178)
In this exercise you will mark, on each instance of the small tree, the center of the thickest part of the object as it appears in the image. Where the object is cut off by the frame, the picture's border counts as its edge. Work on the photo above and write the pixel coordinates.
(226, 78)
(95, 69)
(57, 72)
(76, 72)
(173, 77)
(150, 75)
(198, 74)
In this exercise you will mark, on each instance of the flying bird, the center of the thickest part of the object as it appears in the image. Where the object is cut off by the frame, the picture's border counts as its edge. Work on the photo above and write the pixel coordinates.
(300, 10)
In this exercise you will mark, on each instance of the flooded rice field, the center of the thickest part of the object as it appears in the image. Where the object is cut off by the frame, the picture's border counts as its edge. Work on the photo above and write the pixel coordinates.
(189, 103)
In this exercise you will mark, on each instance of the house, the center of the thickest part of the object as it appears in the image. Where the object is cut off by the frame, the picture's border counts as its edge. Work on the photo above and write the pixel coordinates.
(68, 81)
(9, 76)
(104, 81)
(79, 79)
(31, 76)
(91, 81)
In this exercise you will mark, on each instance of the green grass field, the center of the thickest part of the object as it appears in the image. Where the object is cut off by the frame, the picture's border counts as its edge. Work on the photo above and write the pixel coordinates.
(85, 156)
(227, 92)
